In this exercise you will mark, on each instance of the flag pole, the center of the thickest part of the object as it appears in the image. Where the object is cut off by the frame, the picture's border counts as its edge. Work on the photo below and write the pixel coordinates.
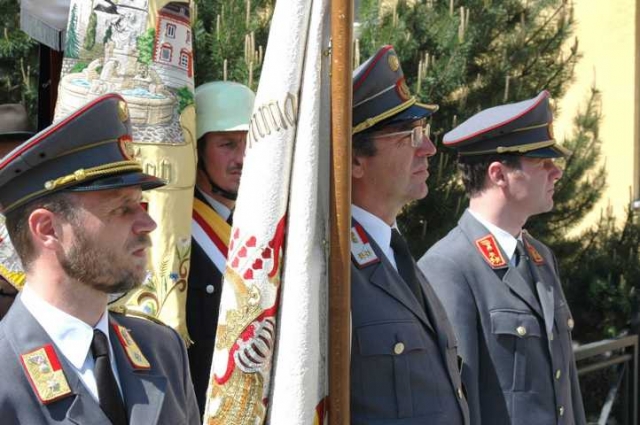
(340, 252)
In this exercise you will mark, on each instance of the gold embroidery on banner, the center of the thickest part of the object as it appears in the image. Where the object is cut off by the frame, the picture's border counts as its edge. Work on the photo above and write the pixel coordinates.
(241, 400)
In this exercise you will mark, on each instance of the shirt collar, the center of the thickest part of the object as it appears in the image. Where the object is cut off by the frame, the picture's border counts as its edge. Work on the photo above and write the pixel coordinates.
(379, 231)
(505, 239)
(70, 335)
(222, 210)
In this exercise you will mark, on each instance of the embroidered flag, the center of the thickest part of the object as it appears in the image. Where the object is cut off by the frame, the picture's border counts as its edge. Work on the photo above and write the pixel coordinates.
(271, 341)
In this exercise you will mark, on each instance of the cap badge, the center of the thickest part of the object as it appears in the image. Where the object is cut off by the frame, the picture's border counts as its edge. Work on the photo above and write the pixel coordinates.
(45, 374)
(403, 89)
(362, 253)
(126, 146)
(123, 111)
(488, 247)
(393, 62)
(131, 349)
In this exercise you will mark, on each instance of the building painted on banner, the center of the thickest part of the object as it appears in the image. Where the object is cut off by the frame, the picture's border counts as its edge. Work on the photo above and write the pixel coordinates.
(173, 50)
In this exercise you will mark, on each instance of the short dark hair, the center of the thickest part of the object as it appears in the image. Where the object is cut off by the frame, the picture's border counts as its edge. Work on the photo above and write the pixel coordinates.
(363, 145)
(474, 170)
(60, 203)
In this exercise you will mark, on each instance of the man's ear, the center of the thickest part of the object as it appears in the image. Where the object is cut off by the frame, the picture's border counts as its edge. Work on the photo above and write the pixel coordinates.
(497, 174)
(44, 228)
(357, 167)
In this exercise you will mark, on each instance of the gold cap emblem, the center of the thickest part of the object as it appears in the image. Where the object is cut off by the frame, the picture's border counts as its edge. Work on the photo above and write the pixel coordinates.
(123, 111)
(403, 89)
(126, 146)
(393, 62)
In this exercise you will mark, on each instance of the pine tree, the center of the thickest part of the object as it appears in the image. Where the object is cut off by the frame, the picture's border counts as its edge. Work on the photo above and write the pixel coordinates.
(18, 61)
(230, 37)
(71, 45)
(90, 39)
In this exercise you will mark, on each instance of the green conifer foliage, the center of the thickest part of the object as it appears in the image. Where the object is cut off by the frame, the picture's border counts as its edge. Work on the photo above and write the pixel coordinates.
(71, 46)
(90, 39)
(18, 61)
(468, 55)
(231, 32)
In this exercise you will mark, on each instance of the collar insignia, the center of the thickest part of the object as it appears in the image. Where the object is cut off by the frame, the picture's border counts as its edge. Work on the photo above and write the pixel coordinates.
(135, 356)
(362, 253)
(488, 247)
(533, 253)
(45, 374)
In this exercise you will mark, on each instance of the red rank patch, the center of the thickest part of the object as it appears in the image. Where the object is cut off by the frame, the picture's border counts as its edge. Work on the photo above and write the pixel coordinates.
(488, 247)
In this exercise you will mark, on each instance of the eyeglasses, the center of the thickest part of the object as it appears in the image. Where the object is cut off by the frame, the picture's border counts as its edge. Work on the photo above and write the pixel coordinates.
(417, 134)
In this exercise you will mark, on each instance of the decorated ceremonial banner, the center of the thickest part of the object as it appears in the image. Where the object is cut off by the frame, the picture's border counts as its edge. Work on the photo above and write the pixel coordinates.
(10, 265)
(143, 50)
(275, 284)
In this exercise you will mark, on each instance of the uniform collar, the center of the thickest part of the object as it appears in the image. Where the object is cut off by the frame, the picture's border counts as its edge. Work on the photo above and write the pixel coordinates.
(222, 210)
(70, 335)
(505, 239)
(379, 231)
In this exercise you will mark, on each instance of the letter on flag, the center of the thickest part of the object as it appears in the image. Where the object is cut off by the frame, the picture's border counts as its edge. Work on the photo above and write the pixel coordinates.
(270, 357)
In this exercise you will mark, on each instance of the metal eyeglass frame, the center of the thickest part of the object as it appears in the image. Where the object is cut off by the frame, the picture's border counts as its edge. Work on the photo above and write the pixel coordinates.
(415, 132)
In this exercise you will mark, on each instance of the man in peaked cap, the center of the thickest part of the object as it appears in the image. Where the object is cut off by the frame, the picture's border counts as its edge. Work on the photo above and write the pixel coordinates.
(498, 284)
(14, 129)
(223, 114)
(71, 196)
(404, 367)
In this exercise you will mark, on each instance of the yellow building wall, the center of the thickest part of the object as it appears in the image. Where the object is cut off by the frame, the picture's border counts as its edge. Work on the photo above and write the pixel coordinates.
(608, 39)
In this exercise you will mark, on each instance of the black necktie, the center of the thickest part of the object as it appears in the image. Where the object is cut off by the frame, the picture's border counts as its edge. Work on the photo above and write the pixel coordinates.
(108, 393)
(230, 219)
(522, 265)
(405, 265)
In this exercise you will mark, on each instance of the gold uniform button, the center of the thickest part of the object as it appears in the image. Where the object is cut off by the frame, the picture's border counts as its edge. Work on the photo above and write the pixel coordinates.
(558, 374)
(570, 323)
(561, 410)
(460, 394)
(522, 331)
(398, 348)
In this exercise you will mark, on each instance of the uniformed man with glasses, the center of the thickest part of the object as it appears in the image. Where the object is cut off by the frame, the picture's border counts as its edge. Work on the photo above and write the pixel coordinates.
(404, 365)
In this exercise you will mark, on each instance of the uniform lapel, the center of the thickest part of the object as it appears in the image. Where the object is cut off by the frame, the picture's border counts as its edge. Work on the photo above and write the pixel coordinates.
(476, 231)
(84, 409)
(436, 313)
(384, 276)
(545, 280)
(26, 335)
(144, 390)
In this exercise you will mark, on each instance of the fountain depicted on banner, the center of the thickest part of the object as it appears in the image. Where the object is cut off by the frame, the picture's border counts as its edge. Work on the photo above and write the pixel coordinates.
(152, 68)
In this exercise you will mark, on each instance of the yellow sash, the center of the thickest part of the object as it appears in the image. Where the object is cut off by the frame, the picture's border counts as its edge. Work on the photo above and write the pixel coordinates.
(220, 227)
